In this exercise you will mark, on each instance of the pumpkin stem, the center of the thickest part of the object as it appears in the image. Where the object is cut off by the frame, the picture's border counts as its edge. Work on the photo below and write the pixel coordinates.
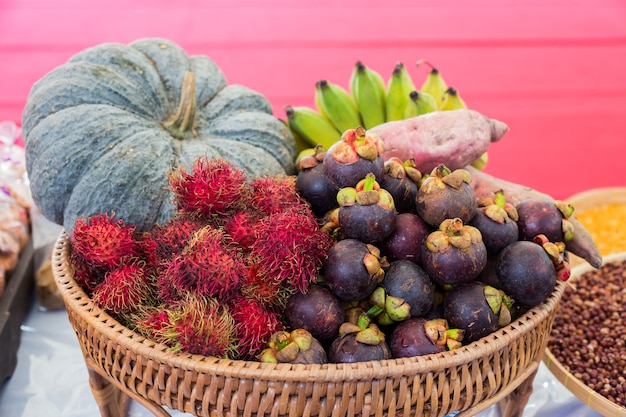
(181, 124)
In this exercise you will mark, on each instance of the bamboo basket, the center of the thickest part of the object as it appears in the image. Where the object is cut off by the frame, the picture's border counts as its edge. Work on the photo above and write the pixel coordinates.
(123, 365)
(577, 387)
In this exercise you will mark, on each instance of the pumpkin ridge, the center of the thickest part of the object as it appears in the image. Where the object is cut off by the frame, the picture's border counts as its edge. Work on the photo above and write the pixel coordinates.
(170, 62)
(76, 85)
(209, 79)
(128, 62)
(234, 98)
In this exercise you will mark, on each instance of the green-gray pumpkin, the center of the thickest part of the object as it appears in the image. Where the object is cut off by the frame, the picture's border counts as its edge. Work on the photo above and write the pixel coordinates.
(102, 131)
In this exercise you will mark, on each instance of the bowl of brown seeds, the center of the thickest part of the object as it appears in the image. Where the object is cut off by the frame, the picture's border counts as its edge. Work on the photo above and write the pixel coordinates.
(586, 350)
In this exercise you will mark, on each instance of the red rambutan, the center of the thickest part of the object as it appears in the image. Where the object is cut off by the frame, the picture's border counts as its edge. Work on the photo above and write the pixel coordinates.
(163, 242)
(275, 194)
(211, 265)
(254, 324)
(241, 227)
(88, 277)
(196, 325)
(213, 187)
(102, 241)
(267, 292)
(153, 322)
(125, 288)
(290, 247)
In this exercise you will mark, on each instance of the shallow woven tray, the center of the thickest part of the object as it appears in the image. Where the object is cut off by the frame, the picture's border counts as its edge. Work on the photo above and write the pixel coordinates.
(123, 364)
(585, 394)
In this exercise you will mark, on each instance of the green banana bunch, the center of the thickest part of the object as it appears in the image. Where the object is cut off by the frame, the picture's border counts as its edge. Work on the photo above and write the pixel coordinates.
(419, 103)
(368, 103)
(399, 87)
(337, 105)
(434, 84)
(368, 90)
(311, 126)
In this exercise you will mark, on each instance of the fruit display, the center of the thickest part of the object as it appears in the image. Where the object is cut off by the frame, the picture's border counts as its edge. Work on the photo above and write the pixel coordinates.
(102, 130)
(246, 269)
(364, 248)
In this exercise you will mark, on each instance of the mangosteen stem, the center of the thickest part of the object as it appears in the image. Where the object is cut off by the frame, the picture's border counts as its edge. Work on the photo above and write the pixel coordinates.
(441, 171)
(500, 199)
(375, 311)
(363, 321)
(360, 136)
(369, 182)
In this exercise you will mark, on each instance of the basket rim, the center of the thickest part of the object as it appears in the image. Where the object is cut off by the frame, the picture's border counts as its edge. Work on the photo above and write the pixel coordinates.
(78, 301)
(577, 387)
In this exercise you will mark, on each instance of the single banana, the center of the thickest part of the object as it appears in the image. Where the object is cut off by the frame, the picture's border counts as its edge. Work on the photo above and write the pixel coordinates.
(337, 105)
(301, 143)
(481, 162)
(434, 84)
(452, 100)
(311, 126)
(399, 87)
(368, 90)
(419, 103)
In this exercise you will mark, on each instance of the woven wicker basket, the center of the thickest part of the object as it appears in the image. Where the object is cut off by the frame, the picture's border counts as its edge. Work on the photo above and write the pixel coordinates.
(122, 365)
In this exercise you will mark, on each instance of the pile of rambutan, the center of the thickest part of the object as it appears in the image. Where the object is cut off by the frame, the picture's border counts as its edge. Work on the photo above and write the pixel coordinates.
(215, 278)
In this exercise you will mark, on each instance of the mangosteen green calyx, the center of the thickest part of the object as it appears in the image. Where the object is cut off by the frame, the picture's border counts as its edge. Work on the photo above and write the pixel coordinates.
(352, 269)
(446, 194)
(497, 221)
(544, 217)
(313, 185)
(297, 346)
(366, 212)
(405, 291)
(454, 254)
(528, 271)
(477, 308)
(350, 159)
(317, 311)
(402, 180)
(419, 336)
(387, 309)
(359, 340)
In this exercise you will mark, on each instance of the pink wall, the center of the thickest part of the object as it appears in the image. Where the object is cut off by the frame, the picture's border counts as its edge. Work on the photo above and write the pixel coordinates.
(554, 71)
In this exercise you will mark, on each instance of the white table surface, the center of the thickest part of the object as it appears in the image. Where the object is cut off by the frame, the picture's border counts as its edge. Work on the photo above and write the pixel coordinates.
(50, 379)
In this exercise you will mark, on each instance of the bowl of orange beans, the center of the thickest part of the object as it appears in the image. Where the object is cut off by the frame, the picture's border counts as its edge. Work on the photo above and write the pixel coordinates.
(603, 213)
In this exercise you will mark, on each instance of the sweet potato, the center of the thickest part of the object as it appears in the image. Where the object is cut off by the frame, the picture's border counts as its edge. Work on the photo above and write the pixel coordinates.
(486, 185)
(454, 138)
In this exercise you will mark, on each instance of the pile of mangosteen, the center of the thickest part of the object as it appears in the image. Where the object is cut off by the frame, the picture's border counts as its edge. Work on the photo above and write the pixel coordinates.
(419, 266)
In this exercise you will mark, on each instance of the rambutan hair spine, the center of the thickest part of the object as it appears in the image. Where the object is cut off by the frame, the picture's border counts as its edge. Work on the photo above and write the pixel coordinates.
(210, 265)
(290, 247)
(211, 187)
(102, 241)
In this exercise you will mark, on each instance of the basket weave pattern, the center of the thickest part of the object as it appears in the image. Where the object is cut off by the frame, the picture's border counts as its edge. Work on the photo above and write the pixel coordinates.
(123, 364)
